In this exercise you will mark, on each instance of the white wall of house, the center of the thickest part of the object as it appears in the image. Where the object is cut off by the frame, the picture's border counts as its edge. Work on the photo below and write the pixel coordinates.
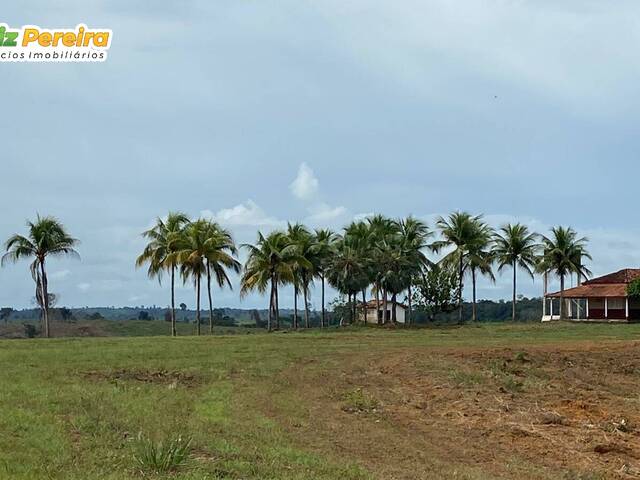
(372, 315)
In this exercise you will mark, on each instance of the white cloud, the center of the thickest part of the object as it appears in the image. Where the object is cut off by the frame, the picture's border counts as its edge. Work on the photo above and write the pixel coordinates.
(306, 185)
(362, 216)
(323, 213)
(84, 287)
(244, 214)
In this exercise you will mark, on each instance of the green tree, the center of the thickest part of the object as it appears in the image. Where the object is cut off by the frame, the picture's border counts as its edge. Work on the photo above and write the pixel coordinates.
(300, 239)
(347, 273)
(516, 247)
(359, 237)
(563, 253)
(192, 258)
(47, 238)
(458, 231)
(268, 265)
(437, 290)
(480, 259)
(383, 231)
(414, 236)
(166, 239)
(219, 255)
(5, 313)
(324, 246)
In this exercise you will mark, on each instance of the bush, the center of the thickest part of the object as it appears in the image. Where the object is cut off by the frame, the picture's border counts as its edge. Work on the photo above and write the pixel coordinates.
(30, 331)
(633, 289)
(162, 457)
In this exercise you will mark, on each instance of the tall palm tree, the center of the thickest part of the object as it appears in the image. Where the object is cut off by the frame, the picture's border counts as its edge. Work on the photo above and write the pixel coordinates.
(382, 229)
(414, 235)
(346, 273)
(480, 260)
(359, 236)
(458, 231)
(563, 253)
(298, 236)
(47, 237)
(324, 248)
(268, 266)
(165, 241)
(219, 254)
(515, 246)
(192, 258)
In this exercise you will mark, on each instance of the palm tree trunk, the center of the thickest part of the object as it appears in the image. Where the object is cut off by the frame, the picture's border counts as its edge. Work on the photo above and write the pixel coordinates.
(295, 305)
(408, 319)
(474, 313)
(378, 318)
(384, 305)
(323, 308)
(460, 290)
(210, 301)
(364, 305)
(271, 308)
(198, 302)
(277, 304)
(513, 306)
(45, 299)
(561, 297)
(354, 314)
(394, 304)
(306, 306)
(173, 301)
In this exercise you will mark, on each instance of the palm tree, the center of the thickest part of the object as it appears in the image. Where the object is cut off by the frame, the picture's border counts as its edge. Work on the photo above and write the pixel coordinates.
(191, 258)
(346, 273)
(47, 237)
(219, 253)
(413, 237)
(359, 236)
(324, 248)
(382, 230)
(165, 241)
(480, 259)
(563, 253)
(298, 236)
(515, 246)
(269, 265)
(458, 231)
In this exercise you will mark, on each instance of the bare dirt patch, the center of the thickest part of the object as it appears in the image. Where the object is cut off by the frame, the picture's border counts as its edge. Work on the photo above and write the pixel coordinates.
(568, 413)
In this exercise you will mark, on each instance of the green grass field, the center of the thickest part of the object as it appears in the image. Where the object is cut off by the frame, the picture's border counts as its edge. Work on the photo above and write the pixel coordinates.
(261, 406)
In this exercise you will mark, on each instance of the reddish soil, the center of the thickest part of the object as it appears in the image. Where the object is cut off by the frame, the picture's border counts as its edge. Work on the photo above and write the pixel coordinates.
(553, 412)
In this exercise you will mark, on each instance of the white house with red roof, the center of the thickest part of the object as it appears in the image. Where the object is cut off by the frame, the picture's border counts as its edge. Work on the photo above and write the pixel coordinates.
(601, 299)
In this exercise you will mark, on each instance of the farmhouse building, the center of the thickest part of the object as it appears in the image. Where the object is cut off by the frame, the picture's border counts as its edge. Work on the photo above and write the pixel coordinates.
(375, 313)
(602, 299)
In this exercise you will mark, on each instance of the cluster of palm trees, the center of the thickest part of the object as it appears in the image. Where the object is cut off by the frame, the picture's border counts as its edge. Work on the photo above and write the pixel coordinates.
(380, 255)
(388, 257)
(195, 250)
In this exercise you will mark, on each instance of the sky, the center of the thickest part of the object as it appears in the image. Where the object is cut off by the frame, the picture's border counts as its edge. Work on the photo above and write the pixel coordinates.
(255, 113)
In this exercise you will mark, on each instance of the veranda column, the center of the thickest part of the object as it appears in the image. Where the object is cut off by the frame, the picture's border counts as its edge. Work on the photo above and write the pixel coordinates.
(587, 308)
(551, 307)
(544, 306)
(606, 307)
(626, 308)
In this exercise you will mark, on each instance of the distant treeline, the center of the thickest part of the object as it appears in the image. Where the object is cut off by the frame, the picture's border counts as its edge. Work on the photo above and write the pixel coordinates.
(530, 309)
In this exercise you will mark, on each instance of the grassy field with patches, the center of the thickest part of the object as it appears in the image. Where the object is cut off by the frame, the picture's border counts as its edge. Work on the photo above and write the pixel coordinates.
(475, 402)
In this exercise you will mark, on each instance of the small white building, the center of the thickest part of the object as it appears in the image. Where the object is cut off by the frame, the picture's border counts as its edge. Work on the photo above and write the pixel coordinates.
(375, 312)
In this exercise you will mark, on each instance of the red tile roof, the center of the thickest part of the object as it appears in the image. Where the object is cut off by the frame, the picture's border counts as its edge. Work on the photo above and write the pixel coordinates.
(611, 285)
(372, 304)
(626, 275)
